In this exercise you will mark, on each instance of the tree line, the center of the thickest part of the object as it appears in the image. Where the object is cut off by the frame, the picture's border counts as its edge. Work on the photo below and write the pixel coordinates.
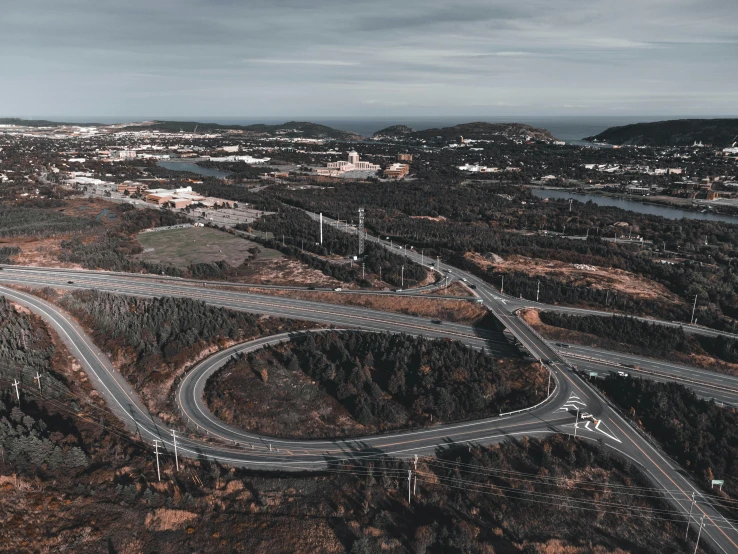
(651, 338)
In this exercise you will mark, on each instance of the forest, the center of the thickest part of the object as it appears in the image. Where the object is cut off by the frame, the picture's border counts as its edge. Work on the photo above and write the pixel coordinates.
(700, 435)
(157, 338)
(388, 379)
(32, 439)
(301, 234)
(507, 220)
(649, 338)
(156, 331)
(17, 221)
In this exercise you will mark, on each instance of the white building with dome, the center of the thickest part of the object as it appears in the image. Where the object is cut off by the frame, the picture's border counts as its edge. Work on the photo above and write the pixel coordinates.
(353, 164)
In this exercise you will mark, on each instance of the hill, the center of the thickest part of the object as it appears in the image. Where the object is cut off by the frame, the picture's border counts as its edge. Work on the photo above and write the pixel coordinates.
(676, 132)
(479, 130)
(393, 131)
(291, 129)
(37, 122)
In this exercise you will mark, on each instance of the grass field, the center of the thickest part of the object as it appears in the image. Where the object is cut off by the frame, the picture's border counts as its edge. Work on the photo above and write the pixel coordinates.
(182, 247)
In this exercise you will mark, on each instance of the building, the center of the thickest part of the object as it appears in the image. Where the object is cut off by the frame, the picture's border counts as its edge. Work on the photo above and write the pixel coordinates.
(479, 168)
(404, 157)
(177, 198)
(353, 164)
(132, 187)
(396, 171)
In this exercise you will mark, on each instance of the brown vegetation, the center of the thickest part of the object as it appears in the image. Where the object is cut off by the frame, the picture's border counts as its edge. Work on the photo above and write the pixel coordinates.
(597, 277)
(457, 311)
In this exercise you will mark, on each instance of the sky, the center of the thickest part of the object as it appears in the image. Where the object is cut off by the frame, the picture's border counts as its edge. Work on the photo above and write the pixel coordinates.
(376, 58)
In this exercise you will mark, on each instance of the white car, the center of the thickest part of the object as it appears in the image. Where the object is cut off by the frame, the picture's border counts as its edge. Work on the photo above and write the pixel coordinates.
(623, 374)
(338, 289)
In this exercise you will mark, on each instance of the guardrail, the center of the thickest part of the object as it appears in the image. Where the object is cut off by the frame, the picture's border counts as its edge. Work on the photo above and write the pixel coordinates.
(556, 387)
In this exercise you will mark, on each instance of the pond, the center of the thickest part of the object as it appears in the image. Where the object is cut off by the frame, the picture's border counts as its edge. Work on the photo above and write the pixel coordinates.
(192, 168)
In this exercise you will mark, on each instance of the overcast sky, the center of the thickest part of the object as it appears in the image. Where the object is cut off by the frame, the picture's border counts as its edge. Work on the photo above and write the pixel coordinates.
(273, 58)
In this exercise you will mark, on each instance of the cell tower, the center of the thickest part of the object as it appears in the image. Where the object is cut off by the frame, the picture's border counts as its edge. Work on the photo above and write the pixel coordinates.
(361, 231)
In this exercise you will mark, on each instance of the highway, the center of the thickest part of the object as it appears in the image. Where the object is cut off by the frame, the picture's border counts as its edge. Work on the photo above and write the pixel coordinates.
(230, 445)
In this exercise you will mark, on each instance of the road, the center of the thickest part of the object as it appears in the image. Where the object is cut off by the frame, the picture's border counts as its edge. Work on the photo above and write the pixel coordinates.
(256, 451)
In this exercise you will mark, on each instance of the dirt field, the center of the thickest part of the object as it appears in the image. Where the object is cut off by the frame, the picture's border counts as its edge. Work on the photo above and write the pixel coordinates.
(191, 245)
(456, 311)
(288, 404)
(580, 275)
(44, 250)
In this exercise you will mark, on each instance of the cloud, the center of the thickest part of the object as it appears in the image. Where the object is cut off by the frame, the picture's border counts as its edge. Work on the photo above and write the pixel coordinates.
(300, 62)
(221, 57)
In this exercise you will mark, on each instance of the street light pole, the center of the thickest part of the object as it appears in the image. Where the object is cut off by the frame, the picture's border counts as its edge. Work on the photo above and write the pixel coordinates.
(694, 307)
(402, 278)
(576, 422)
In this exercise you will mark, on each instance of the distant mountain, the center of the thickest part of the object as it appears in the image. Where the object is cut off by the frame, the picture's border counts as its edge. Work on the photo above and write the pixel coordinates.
(393, 131)
(291, 129)
(476, 131)
(37, 122)
(676, 132)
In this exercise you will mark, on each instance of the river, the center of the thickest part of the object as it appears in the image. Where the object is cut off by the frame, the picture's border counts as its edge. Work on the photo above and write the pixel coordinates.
(193, 168)
(634, 206)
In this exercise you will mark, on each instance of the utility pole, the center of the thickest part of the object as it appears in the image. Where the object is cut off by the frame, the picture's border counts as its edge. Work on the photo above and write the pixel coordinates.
(156, 448)
(571, 200)
(699, 534)
(576, 421)
(38, 380)
(321, 228)
(548, 391)
(409, 481)
(502, 288)
(422, 260)
(402, 277)
(17, 394)
(694, 307)
(415, 479)
(361, 231)
(686, 535)
(362, 270)
(538, 290)
(176, 458)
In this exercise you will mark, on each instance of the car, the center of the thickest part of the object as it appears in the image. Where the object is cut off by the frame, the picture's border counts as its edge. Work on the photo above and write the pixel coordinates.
(436, 321)
(562, 345)
(586, 415)
(338, 289)
(311, 287)
(463, 279)
(472, 286)
(398, 290)
(70, 282)
(623, 374)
